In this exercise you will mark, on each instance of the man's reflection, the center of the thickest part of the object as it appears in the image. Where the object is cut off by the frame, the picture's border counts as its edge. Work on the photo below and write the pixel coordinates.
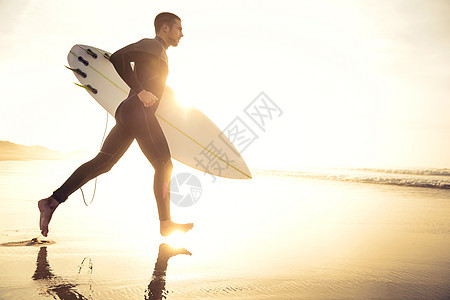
(59, 288)
(157, 287)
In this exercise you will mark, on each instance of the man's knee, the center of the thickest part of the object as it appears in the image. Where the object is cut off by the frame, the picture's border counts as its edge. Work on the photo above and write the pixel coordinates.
(104, 162)
(164, 165)
(168, 166)
(106, 167)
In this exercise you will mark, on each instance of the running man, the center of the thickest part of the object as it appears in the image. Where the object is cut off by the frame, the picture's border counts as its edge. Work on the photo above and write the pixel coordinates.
(135, 119)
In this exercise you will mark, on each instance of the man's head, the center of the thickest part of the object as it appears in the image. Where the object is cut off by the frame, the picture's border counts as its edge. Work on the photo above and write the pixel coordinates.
(168, 27)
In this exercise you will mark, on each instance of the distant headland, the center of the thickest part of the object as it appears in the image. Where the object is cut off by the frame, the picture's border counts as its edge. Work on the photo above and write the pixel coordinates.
(12, 151)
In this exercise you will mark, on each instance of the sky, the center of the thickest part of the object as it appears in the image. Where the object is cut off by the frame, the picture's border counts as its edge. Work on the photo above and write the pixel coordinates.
(359, 83)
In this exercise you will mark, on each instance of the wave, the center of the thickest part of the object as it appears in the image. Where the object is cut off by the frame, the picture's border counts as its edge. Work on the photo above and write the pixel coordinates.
(426, 172)
(432, 178)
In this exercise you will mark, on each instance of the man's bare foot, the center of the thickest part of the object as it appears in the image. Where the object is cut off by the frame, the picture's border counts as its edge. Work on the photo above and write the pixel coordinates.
(46, 207)
(168, 227)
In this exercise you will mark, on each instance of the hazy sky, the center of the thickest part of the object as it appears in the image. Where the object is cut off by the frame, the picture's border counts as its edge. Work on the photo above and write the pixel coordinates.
(360, 83)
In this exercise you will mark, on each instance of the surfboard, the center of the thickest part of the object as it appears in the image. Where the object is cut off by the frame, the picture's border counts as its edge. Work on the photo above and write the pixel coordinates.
(192, 137)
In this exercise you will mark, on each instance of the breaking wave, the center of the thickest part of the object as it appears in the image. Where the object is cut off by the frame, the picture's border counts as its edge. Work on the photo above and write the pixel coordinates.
(424, 178)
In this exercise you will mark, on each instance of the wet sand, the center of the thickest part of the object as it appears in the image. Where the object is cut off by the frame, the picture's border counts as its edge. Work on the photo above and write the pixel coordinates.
(273, 237)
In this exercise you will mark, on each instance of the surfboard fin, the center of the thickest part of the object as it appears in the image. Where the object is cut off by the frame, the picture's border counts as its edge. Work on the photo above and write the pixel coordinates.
(88, 87)
(91, 53)
(81, 59)
(78, 71)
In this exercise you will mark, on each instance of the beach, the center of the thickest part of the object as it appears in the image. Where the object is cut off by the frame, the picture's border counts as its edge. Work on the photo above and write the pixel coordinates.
(277, 236)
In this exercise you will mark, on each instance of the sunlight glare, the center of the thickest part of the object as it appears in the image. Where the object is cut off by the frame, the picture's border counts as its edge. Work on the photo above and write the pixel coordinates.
(176, 240)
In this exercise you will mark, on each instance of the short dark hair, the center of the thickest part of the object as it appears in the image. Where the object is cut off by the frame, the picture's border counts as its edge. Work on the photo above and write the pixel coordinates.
(165, 18)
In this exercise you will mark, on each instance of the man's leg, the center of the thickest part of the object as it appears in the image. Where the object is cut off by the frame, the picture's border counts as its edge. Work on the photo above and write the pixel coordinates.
(150, 137)
(115, 145)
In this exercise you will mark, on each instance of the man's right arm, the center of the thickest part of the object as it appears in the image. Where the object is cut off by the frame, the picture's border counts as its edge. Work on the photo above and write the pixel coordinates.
(121, 60)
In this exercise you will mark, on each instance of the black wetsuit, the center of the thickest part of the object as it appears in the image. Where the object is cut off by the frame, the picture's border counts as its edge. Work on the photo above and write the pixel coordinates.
(133, 119)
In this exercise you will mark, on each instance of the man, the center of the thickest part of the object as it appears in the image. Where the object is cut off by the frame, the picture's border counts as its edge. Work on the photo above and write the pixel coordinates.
(135, 119)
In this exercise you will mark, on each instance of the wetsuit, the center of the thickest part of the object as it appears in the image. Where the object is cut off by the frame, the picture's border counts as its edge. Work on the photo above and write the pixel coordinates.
(133, 120)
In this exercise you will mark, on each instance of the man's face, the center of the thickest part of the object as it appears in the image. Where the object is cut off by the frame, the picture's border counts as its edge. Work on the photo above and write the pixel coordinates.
(175, 34)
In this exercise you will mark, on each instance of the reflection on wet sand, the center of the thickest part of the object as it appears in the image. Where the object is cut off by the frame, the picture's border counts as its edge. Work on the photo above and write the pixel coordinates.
(157, 286)
(60, 288)
(32, 242)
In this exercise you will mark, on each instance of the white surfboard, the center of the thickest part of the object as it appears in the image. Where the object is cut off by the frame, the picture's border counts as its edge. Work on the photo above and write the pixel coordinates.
(193, 139)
